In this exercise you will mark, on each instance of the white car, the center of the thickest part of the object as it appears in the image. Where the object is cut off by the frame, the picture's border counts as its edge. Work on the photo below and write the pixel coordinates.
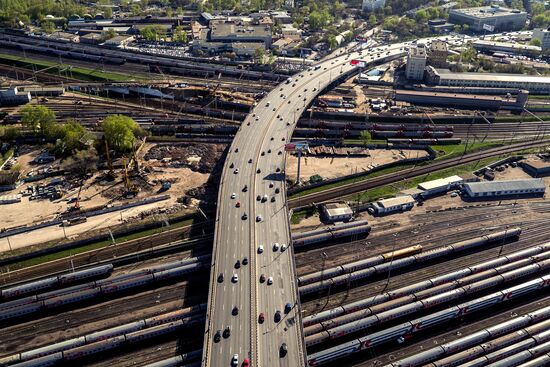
(276, 246)
(269, 280)
(283, 247)
(233, 196)
(235, 360)
(236, 171)
(235, 278)
(259, 218)
(260, 249)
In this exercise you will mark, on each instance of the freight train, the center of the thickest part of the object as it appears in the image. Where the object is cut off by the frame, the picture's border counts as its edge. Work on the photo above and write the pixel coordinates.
(406, 329)
(406, 261)
(332, 235)
(357, 265)
(355, 125)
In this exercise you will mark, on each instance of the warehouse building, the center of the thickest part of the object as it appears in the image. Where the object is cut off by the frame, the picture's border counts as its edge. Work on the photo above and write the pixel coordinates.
(461, 100)
(508, 47)
(392, 205)
(536, 168)
(489, 18)
(224, 31)
(533, 186)
(533, 84)
(337, 212)
(439, 186)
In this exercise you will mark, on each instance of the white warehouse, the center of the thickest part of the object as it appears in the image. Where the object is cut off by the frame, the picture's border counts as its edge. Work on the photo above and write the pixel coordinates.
(386, 206)
(534, 186)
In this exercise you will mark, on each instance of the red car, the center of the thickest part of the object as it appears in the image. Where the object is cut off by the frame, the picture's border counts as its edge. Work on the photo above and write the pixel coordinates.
(246, 363)
(238, 205)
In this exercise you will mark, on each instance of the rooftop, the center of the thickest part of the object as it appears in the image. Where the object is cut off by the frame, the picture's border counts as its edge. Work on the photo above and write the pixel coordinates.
(440, 182)
(399, 200)
(438, 45)
(518, 46)
(537, 164)
(231, 29)
(509, 185)
(404, 92)
(417, 52)
(487, 11)
(519, 78)
(338, 209)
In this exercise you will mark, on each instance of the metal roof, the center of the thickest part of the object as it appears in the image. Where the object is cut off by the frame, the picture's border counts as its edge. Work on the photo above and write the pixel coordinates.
(400, 200)
(441, 182)
(518, 78)
(509, 185)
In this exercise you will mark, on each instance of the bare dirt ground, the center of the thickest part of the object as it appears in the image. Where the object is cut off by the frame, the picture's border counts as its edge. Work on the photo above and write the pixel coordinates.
(328, 167)
(95, 195)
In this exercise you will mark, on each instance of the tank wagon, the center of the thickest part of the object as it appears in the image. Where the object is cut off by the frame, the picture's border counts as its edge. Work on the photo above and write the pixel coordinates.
(332, 235)
(357, 265)
(408, 260)
(99, 288)
(529, 253)
(505, 330)
(408, 328)
(391, 310)
(51, 282)
(131, 332)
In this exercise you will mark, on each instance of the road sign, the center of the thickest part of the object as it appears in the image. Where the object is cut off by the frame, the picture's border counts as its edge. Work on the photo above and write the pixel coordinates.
(359, 63)
(295, 147)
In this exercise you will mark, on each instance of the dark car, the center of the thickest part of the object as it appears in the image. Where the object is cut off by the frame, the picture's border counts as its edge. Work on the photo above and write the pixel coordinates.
(232, 165)
(288, 308)
(235, 311)
(217, 336)
(245, 188)
(244, 217)
(262, 278)
(259, 171)
(245, 261)
(283, 350)
(237, 264)
(277, 317)
(261, 318)
(227, 332)
(277, 190)
(273, 199)
(220, 278)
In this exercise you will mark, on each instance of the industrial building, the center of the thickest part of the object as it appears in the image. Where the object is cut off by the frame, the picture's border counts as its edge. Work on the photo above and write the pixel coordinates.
(416, 63)
(391, 205)
(459, 100)
(533, 84)
(13, 97)
(508, 47)
(439, 186)
(489, 18)
(536, 168)
(533, 186)
(228, 31)
(337, 212)
(438, 53)
(543, 35)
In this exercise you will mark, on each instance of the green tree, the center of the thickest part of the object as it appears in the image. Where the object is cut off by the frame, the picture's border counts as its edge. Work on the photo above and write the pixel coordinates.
(535, 42)
(259, 54)
(108, 34)
(48, 27)
(120, 132)
(108, 13)
(38, 119)
(179, 35)
(153, 33)
(72, 137)
(372, 19)
(366, 136)
(332, 43)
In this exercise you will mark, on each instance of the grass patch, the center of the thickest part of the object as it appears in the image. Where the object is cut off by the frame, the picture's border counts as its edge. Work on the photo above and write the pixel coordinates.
(67, 70)
(94, 246)
(299, 215)
(392, 189)
(518, 118)
(456, 150)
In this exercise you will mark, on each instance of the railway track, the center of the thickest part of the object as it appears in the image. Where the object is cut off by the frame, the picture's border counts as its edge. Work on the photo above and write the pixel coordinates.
(110, 252)
(348, 189)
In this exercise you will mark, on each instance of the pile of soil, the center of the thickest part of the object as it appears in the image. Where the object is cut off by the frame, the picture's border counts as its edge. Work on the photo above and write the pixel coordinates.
(179, 153)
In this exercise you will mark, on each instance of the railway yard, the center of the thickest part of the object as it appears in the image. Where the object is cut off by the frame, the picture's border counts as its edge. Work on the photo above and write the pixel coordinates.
(453, 280)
